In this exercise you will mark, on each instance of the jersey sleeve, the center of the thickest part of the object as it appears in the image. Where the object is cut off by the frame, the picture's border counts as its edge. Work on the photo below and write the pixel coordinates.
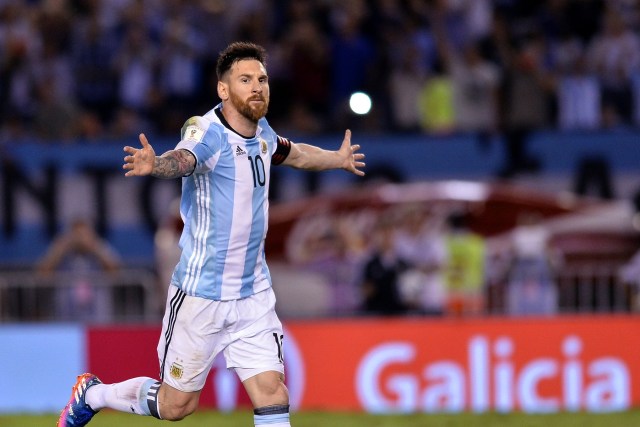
(202, 139)
(283, 147)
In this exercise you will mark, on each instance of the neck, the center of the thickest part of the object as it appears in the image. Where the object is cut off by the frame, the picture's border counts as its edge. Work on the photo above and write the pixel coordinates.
(238, 122)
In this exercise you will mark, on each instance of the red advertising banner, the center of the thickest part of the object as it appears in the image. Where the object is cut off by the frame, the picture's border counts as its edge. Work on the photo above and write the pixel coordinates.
(422, 365)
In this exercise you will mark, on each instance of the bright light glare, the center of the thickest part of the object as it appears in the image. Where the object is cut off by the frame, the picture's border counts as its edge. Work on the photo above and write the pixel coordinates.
(360, 103)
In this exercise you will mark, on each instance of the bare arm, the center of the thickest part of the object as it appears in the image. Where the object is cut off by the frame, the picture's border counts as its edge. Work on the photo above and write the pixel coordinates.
(173, 164)
(79, 240)
(143, 161)
(310, 157)
(54, 255)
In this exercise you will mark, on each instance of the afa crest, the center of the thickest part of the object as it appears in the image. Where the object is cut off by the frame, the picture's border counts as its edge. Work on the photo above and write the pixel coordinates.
(263, 146)
(176, 370)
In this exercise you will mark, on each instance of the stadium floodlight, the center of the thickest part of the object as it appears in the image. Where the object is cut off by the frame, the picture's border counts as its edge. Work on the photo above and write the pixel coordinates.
(360, 103)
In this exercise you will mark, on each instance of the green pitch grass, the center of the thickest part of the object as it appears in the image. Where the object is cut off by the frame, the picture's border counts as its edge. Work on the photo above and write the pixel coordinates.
(320, 419)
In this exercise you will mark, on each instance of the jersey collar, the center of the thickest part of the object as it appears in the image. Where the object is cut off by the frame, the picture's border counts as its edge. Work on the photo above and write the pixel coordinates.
(218, 111)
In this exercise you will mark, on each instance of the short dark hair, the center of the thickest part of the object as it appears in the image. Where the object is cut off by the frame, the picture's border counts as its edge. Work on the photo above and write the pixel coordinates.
(237, 51)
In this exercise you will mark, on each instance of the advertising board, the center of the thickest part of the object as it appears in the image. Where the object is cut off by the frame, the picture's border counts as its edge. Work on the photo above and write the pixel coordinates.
(420, 365)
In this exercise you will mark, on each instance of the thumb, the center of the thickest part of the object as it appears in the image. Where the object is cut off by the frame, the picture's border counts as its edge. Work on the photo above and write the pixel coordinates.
(144, 141)
(346, 142)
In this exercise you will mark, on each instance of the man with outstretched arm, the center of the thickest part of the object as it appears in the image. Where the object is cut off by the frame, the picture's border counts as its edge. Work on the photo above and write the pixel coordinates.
(220, 298)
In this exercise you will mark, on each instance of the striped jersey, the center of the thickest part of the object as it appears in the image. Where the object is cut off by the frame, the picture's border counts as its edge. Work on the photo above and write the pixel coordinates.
(224, 208)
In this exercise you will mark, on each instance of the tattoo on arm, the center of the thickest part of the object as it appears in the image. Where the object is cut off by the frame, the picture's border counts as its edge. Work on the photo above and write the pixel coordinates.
(174, 164)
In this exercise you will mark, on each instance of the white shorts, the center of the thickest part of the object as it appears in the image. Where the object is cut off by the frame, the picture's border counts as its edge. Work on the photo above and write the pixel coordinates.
(195, 330)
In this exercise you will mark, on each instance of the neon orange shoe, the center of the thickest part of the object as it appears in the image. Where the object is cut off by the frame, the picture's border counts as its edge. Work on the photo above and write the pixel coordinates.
(77, 413)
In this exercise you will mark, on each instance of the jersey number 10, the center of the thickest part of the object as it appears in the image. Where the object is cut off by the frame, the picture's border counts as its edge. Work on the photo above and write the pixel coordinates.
(257, 170)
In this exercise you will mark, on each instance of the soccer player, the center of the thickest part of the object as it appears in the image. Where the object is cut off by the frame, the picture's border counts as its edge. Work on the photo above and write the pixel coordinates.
(220, 298)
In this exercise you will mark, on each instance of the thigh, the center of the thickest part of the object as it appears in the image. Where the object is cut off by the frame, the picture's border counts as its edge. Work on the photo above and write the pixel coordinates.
(192, 335)
(257, 338)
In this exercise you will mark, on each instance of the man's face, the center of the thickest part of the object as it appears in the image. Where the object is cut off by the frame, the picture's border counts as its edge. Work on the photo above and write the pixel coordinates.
(248, 87)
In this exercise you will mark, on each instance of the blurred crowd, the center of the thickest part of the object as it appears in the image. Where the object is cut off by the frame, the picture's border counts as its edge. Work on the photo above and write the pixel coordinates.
(405, 259)
(415, 259)
(90, 70)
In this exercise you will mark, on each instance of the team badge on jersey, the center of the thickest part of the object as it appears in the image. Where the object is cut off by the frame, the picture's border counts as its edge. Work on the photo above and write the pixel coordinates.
(263, 146)
(176, 370)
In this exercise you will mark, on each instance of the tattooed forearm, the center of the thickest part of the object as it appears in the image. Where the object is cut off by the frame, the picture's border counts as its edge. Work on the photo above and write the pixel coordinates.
(173, 164)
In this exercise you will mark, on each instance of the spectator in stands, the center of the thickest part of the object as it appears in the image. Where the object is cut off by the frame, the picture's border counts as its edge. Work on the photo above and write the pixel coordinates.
(614, 56)
(465, 267)
(136, 64)
(94, 53)
(331, 247)
(307, 51)
(476, 17)
(436, 101)
(475, 83)
(54, 69)
(55, 119)
(405, 82)
(527, 78)
(382, 271)
(79, 256)
(91, 128)
(420, 242)
(126, 124)
(19, 47)
(180, 70)
(578, 91)
(530, 284)
(418, 34)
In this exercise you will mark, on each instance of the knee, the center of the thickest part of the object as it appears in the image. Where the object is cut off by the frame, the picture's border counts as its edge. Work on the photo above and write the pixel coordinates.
(175, 405)
(277, 390)
(176, 411)
(267, 389)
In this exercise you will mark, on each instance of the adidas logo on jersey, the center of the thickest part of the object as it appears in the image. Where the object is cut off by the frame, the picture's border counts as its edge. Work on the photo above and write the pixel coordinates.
(240, 151)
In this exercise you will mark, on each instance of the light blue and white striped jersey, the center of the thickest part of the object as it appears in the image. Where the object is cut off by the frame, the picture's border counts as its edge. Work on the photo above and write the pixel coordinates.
(224, 207)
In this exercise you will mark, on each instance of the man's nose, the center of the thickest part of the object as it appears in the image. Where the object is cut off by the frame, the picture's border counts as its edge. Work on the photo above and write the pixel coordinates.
(257, 87)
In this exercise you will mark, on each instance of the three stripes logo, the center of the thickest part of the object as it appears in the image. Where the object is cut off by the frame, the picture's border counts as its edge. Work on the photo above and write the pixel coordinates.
(240, 151)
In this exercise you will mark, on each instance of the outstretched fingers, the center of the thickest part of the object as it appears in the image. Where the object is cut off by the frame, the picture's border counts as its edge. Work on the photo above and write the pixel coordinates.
(143, 141)
(358, 172)
(358, 164)
(129, 167)
(355, 160)
(138, 155)
(129, 160)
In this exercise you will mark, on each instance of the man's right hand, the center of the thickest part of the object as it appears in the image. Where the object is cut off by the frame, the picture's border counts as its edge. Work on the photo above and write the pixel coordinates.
(140, 161)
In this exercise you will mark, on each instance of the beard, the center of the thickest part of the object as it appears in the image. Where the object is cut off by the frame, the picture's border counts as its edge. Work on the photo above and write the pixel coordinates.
(250, 111)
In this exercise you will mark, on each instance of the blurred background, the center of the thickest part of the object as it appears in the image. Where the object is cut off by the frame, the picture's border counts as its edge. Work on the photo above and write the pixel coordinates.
(503, 186)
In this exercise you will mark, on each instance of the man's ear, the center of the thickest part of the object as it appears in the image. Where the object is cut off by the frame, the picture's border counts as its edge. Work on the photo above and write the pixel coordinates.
(223, 90)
